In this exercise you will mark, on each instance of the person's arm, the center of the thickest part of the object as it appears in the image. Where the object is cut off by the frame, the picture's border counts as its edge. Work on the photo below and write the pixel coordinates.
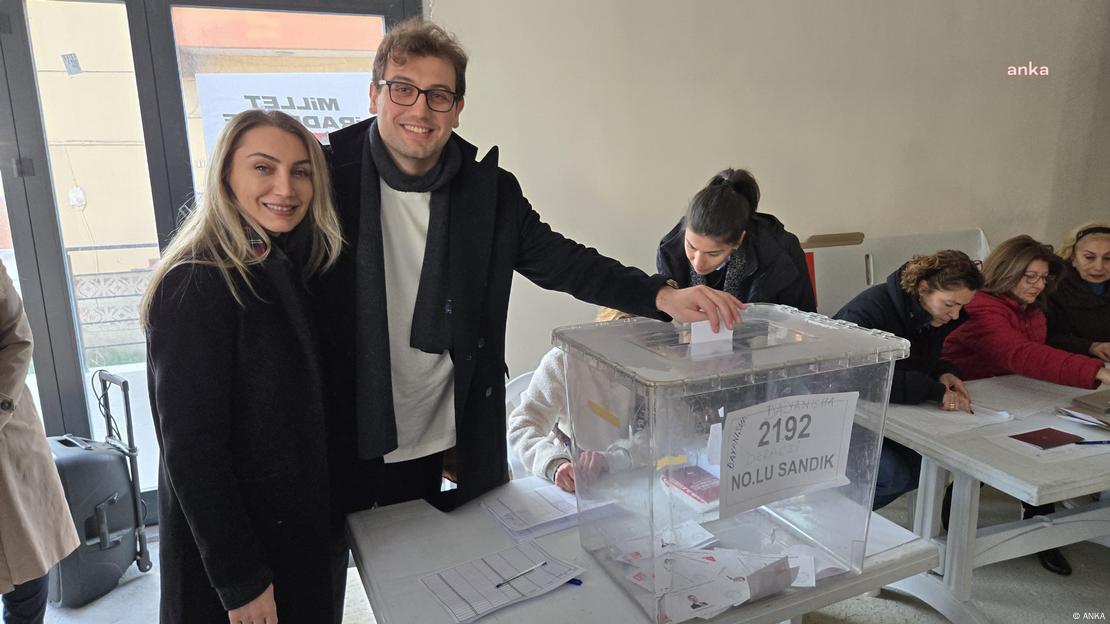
(555, 262)
(998, 339)
(16, 348)
(552, 261)
(531, 424)
(191, 344)
(908, 386)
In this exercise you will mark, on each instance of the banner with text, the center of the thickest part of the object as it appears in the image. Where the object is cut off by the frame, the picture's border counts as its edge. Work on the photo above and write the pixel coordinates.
(323, 102)
(783, 448)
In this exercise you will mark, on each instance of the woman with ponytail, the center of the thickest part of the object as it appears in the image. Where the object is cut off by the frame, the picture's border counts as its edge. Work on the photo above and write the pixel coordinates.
(724, 243)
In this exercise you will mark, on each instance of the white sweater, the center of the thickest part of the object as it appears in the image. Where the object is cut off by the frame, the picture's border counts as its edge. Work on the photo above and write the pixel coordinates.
(531, 427)
(543, 407)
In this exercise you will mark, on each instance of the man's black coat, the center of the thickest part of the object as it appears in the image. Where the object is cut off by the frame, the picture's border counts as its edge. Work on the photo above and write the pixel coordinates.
(493, 232)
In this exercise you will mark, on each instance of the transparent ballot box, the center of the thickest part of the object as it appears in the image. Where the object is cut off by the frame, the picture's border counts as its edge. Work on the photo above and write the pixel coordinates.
(712, 471)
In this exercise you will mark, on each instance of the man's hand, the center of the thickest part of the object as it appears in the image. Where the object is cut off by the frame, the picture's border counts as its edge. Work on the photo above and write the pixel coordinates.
(261, 610)
(699, 303)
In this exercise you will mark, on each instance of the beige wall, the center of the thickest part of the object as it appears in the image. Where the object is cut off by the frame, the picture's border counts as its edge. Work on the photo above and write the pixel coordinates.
(885, 117)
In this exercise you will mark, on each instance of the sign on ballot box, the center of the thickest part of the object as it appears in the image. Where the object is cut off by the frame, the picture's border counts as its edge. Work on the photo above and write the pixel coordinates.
(783, 448)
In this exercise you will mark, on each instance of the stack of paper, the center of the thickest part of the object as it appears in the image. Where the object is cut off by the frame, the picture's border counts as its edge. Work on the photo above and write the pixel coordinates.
(528, 515)
(475, 588)
(691, 581)
(1083, 417)
(1090, 409)
(703, 583)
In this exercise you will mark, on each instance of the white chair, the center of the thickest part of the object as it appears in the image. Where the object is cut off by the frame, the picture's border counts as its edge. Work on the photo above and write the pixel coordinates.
(513, 390)
(841, 272)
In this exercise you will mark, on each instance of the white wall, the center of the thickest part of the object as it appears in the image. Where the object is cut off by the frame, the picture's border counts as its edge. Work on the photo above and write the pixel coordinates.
(887, 117)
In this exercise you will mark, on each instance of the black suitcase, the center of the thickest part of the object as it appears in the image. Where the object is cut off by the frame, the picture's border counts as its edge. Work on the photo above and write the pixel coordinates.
(101, 483)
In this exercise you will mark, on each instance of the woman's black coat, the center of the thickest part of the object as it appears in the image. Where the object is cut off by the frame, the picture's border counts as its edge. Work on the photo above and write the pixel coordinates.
(891, 309)
(237, 398)
(776, 264)
(1076, 315)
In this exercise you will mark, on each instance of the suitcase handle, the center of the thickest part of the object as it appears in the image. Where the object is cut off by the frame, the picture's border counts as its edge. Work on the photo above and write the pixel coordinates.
(112, 378)
(106, 539)
(71, 440)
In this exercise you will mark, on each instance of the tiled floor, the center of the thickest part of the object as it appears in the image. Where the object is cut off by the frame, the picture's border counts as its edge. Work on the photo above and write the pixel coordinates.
(1014, 592)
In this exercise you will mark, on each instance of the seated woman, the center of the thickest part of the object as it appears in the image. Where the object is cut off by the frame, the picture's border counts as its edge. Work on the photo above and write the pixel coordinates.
(539, 428)
(922, 302)
(1006, 335)
(1079, 308)
(724, 243)
(249, 532)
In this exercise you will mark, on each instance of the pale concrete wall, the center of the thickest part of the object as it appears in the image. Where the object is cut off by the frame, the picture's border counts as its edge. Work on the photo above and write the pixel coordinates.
(885, 117)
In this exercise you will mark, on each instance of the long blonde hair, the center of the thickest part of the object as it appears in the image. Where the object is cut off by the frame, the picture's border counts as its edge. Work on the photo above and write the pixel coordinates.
(213, 231)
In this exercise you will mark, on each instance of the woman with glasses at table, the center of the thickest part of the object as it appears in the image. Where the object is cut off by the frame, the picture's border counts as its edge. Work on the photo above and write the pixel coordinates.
(1079, 308)
(1006, 331)
(724, 243)
(922, 302)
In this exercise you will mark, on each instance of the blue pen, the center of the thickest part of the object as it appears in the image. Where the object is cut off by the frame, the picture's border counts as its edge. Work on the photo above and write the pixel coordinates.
(1093, 442)
(574, 581)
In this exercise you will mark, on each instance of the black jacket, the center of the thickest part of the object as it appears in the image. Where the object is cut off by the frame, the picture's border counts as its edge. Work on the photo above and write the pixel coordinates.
(493, 232)
(1076, 315)
(238, 406)
(891, 309)
(777, 271)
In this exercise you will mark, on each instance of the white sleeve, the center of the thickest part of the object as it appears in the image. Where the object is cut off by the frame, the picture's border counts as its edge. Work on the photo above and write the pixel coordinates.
(531, 424)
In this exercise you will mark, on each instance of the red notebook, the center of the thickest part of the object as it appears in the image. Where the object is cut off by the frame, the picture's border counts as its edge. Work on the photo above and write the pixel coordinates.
(699, 488)
(1047, 438)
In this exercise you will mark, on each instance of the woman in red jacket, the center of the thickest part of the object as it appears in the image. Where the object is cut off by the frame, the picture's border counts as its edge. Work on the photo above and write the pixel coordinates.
(1005, 334)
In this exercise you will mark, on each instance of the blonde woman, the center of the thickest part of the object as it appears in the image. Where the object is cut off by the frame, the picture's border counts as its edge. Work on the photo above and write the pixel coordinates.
(1079, 309)
(248, 531)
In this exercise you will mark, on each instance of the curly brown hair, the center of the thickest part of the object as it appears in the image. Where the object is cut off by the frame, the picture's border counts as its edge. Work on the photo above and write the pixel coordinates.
(947, 269)
(418, 37)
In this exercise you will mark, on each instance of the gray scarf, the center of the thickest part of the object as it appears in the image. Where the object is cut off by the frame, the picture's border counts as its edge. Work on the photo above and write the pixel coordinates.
(734, 274)
(431, 327)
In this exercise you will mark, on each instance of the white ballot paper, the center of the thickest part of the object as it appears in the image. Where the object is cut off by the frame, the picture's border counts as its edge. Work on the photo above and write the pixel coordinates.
(931, 419)
(519, 511)
(535, 513)
(470, 590)
(704, 583)
(704, 343)
(785, 447)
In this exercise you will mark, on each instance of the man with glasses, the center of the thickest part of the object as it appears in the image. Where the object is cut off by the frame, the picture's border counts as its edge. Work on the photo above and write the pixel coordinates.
(414, 314)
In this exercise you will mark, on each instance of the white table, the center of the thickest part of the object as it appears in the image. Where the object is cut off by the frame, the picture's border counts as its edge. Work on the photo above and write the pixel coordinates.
(394, 546)
(972, 457)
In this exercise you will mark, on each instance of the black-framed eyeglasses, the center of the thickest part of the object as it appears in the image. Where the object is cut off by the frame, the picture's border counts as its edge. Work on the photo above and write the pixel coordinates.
(405, 94)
